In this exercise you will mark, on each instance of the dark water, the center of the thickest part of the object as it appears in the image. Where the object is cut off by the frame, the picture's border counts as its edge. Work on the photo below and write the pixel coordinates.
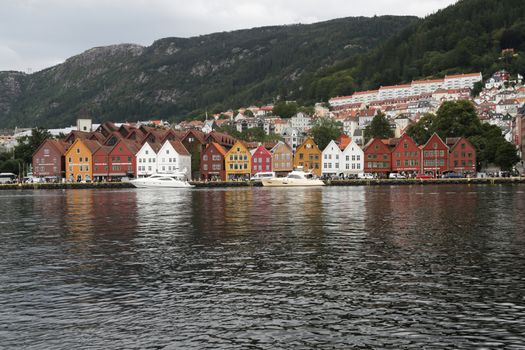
(388, 267)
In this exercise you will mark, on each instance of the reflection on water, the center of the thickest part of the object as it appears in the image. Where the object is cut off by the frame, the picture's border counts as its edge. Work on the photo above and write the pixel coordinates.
(357, 267)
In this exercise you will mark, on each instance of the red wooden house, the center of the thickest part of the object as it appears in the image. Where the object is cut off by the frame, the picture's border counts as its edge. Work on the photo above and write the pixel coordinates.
(377, 156)
(406, 156)
(434, 156)
(123, 159)
(212, 162)
(261, 160)
(101, 163)
(462, 156)
(48, 160)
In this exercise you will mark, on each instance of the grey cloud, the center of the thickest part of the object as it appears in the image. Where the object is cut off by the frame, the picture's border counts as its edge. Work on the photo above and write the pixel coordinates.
(39, 33)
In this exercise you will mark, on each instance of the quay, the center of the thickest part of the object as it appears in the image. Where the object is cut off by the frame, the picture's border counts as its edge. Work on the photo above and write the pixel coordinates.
(223, 184)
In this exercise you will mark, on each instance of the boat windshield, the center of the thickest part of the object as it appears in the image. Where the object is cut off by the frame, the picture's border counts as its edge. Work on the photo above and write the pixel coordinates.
(294, 176)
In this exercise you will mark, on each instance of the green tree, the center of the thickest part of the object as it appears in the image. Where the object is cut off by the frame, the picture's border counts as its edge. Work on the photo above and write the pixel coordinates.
(285, 109)
(27, 145)
(10, 166)
(506, 156)
(379, 127)
(326, 130)
(254, 135)
(309, 110)
(476, 90)
(423, 129)
(456, 118)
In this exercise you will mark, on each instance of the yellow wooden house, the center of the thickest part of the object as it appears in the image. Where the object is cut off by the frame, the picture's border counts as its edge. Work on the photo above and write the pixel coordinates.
(238, 162)
(79, 160)
(308, 156)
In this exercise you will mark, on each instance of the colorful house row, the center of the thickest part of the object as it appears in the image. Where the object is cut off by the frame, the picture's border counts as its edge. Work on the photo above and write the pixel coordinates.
(241, 162)
(435, 157)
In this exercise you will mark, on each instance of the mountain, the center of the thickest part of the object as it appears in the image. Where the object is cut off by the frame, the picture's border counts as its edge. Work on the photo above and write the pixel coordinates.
(175, 76)
(468, 36)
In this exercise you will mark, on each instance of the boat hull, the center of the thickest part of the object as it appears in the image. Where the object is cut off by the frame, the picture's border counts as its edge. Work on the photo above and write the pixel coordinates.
(285, 182)
(142, 184)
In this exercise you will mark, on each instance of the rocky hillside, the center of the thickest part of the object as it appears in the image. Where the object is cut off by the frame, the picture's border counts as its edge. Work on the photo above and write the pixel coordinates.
(175, 76)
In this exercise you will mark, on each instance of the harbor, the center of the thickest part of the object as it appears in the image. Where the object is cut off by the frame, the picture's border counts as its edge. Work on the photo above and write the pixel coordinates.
(226, 184)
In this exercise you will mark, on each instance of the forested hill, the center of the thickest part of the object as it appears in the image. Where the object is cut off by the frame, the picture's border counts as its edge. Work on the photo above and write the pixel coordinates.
(175, 76)
(468, 36)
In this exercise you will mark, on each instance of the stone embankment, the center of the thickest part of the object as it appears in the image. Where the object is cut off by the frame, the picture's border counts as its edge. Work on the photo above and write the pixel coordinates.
(223, 184)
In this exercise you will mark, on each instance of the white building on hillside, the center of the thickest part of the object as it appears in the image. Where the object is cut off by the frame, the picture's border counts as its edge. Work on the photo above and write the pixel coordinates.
(394, 91)
(460, 81)
(419, 87)
(301, 121)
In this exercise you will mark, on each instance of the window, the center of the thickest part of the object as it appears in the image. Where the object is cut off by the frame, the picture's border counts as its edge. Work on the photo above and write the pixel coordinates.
(405, 145)
(205, 167)
(216, 157)
(78, 150)
(205, 157)
(167, 151)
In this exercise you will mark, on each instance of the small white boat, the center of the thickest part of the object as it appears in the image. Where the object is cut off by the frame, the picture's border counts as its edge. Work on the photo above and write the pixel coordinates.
(295, 178)
(172, 180)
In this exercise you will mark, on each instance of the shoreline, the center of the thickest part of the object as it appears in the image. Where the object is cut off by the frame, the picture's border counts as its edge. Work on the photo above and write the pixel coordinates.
(223, 184)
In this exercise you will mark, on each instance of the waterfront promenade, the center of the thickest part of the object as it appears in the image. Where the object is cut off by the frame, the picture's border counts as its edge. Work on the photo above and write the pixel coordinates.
(221, 184)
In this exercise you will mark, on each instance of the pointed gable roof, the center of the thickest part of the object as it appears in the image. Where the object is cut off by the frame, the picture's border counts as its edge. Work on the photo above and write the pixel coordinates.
(376, 141)
(434, 137)
(308, 141)
(197, 134)
(279, 145)
(179, 147)
(453, 142)
(103, 150)
(343, 140)
(59, 145)
(218, 147)
(92, 145)
(131, 145)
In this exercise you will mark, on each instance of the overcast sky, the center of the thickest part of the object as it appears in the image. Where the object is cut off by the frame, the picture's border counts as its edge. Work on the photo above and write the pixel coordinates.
(35, 34)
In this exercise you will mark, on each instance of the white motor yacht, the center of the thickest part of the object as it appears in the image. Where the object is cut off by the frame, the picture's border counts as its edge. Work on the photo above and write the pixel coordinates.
(175, 180)
(296, 178)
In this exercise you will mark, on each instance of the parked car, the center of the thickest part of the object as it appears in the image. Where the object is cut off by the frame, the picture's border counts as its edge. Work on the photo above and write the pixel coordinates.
(424, 176)
(452, 175)
(396, 176)
(366, 176)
